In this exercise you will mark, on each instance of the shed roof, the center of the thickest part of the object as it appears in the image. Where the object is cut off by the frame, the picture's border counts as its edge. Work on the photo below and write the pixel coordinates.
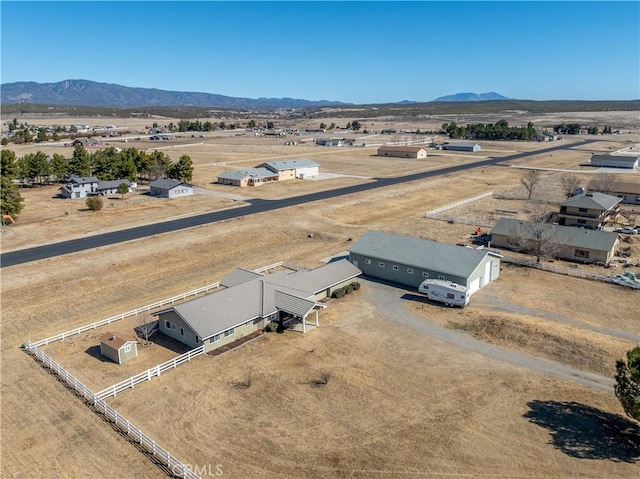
(425, 254)
(407, 149)
(114, 341)
(562, 235)
(291, 164)
(594, 200)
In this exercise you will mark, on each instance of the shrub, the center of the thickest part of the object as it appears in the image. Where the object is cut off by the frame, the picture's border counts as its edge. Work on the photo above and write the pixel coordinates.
(94, 203)
(338, 293)
(270, 328)
(355, 285)
(346, 289)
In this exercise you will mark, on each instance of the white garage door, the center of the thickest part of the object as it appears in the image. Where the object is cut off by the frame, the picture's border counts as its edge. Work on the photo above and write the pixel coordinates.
(474, 286)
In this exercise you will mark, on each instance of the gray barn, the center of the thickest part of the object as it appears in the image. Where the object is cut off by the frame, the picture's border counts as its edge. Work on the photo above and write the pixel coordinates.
(409, 261)
(462, 146)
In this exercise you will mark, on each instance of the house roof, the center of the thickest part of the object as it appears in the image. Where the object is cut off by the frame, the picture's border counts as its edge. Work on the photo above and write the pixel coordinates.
(562, 235)
(618, 187)
(239, 276)
(425, 254)
(166, 184)
(461, 144)
(291, 164)
(107, 185)
(597, 201)
(83, 180)
(247, 172)
(408, 149)
(259, 296)
(114, 341)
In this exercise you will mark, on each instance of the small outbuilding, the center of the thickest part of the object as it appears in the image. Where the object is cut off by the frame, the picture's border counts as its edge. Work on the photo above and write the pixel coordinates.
(462, 146)
(118, 349)
(164, 188)
(414, 152)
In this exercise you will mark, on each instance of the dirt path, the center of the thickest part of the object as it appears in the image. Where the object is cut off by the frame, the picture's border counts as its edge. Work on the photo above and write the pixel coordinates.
(388, 301)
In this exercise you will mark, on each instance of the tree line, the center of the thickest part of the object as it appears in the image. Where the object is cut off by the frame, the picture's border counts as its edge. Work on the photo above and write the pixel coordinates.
(498, 131)
(105, 164)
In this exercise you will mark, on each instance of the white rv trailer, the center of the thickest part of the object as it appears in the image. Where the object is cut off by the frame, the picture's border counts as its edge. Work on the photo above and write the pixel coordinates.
(446, 292)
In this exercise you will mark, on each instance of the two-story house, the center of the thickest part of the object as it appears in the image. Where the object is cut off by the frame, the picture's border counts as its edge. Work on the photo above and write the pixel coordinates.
(79, 187)
(589, 210)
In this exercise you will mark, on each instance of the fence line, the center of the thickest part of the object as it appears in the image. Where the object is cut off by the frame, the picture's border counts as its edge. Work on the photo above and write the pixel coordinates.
(155, 371)
(476, 221)
(100, 407)
(432, 213)
(575, 272)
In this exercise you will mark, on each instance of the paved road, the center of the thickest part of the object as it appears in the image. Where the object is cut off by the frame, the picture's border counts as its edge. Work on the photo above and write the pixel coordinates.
(389, 303)
(256, 206)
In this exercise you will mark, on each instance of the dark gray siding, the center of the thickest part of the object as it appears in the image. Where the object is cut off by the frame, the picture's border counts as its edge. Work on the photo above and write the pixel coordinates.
(400, 273)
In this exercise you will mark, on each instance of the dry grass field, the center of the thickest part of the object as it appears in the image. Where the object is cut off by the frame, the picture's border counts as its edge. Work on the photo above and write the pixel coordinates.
(397, 404)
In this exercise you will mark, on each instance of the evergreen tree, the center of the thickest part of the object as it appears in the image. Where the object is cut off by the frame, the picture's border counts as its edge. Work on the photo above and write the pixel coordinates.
(182, 170)
(11, 201)
(80, 163)
(627, 386)
(9, 167)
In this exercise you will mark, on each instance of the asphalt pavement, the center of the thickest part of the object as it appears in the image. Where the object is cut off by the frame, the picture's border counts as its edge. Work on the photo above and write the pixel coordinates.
(254, 207)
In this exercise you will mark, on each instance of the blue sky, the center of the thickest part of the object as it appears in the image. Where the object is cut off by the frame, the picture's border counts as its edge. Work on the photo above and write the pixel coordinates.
(359, 52)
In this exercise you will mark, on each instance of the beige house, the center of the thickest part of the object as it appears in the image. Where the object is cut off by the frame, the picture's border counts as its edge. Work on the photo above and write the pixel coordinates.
(414, 152)
(589, 210)
(250, 301)
(627, 191)
(247, 177)
(574, 244)
(118, 349)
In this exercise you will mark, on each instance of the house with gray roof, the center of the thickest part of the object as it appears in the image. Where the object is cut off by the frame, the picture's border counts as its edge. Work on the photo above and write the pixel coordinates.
(614, 161)
(168, 188)
(247, 177)
(250, 300)
(574, 244)
(409, 261)
(80, 187)
(589, 210)
(462, 146)
(111, 187)
(627, 191)
(290, 169)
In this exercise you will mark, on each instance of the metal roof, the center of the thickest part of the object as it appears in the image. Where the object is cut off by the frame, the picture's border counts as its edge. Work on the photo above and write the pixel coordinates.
(252, 295)
(166, 184)
(562, 235)
(408, 149)
(246, 173)
(82, 180)
(598, 201)
(239, 276)
(613, 159)
(619, 187)
(106, 185)
(291, 164)
(421, 253)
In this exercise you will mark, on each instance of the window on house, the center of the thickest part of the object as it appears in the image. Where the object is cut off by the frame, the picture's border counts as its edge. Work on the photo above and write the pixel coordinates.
(181, 331)
(381, 264)
(583, 210)
(167, 324)
(395, 268)
(367, 261)
(440, 277)
(425, 274)
(215, 338)
(174, 326)
(248, 323)
(581, 253)
(409, 271)
(127, 348)
(229, 332)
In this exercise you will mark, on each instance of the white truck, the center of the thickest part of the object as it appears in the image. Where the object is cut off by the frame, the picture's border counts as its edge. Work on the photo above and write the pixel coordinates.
(446, 292)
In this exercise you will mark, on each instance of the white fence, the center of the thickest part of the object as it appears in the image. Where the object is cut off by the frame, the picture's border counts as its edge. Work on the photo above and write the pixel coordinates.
(149, 373)
(112, 319)
(175, 467)
(437, 211)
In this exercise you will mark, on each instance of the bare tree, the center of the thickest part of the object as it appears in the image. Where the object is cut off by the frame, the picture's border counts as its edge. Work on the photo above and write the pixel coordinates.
(569, 184)
(602, 182)
(146, 328)
(536, 237)
(530, 181)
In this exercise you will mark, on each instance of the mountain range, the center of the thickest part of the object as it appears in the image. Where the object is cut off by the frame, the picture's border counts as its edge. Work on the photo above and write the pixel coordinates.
(90, 93)
(468, 96)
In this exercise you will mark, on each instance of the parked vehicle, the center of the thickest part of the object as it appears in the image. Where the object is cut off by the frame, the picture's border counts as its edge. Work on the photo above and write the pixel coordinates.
(446, 292)
(628, 231)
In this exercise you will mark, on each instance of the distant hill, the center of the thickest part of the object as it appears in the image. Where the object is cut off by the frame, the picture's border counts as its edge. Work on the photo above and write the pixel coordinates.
(468, 96)
(90, 93)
